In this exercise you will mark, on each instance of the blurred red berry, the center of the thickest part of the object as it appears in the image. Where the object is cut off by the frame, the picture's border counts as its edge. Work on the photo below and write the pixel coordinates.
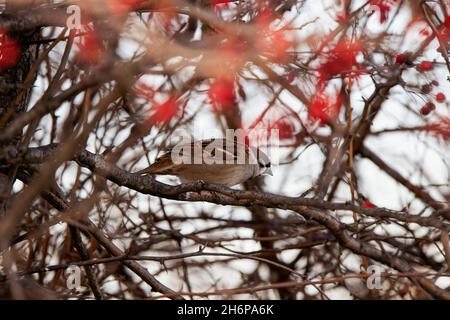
(404, 58)
(321, 108)
(341, 17)
(269, 42)
(265, 17)
(216, 2)
(90, 50)
(400, 58)
(122, 6)
(383, 8)
(274, 45)
(340, 60)
(426, 65)
(163, 113)
(426, 109)
(221, 93)
(443, 33)
(384, 11)
(440, 97)
(9, 50)
(368, 205)
(424, 32)
(447, 21)
(285, 128)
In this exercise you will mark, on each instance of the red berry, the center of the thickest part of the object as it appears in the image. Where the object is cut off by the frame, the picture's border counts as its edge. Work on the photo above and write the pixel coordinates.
(424, 32)
(9, 50)
(426, 109)
(447, 21)
(341, 17)
(426, 65)
(400, 58)
(216, 2)
(368, 204)
(285, 127)
(426, 88)
(222, 94)
(440, 97)
(163, 113)
(404, 58)
(322, 108)
(90, 49)
(341, 60)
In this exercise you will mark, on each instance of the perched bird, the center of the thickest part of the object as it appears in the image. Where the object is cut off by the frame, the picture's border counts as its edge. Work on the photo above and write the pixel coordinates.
(215, 160)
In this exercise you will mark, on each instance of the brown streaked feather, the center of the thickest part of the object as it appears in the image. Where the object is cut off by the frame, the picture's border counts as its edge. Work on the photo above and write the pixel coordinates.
(163, 165)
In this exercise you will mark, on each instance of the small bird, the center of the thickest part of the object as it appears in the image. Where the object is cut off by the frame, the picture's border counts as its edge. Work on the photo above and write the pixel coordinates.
(211, 161)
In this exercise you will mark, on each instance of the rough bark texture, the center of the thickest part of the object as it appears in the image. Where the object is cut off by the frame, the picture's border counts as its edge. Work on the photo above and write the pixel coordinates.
(14, 97)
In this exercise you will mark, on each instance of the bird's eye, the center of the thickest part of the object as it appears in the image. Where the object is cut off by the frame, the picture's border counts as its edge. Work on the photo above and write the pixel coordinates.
(268, 165)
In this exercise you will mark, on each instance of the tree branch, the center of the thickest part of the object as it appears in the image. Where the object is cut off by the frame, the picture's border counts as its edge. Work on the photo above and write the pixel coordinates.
(314, 209)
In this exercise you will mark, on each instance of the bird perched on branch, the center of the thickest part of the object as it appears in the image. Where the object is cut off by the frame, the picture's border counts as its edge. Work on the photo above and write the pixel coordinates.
(219, 161)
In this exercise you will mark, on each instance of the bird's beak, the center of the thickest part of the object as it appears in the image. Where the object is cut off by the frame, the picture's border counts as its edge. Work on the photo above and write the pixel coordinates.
(268, 172)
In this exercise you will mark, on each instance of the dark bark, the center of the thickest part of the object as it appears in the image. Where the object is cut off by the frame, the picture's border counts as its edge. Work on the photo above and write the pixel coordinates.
(14, 96)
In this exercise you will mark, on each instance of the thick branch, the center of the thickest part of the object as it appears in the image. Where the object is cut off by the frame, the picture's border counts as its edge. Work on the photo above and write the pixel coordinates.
(310, 208)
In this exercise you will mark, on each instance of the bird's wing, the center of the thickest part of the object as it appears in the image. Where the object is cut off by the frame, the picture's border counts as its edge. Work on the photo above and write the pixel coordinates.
(211, 149)
(217, 149)
(162, 165)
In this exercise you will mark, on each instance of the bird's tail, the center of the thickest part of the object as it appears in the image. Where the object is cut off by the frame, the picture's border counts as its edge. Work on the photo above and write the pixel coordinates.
(142, 172)
(155, 168)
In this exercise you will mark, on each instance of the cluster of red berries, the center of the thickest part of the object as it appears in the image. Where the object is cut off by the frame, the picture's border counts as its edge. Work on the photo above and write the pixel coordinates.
(427, 88)
(406, 59)
(430, 106)
(427, 108)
